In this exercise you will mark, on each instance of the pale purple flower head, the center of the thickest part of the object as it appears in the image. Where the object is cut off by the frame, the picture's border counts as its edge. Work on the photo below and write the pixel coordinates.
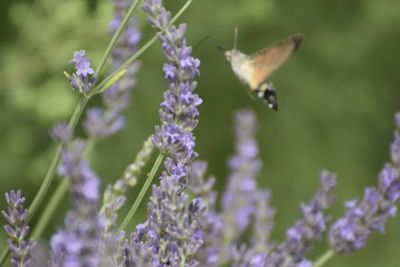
(240, 200)
(370, 214)
(300, 236)
(397, 119)
(82, 80)
(17, 230)
(79, 244)
(395, 149)
(242, 256)
(101, 123)
(61, 132)
(314, 221)
(211, 252)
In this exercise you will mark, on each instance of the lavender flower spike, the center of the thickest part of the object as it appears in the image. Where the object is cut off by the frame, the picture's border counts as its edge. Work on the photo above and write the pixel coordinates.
(79, 243)
(114, 195)
(240, 199)
(370, 214)
(82, 80)
(101, 123)
(211, 252)
(314, 222)
(17, 230)
(173, 229)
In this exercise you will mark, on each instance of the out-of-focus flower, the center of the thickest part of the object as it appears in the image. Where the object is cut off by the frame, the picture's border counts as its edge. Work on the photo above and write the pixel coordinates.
(300, 236)
(241, 200)
(101, 123)
(370, 214)
(79, 244)
(61, 132)
(211, 252)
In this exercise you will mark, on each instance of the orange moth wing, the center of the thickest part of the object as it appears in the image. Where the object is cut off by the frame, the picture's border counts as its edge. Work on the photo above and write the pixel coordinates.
(269, 59)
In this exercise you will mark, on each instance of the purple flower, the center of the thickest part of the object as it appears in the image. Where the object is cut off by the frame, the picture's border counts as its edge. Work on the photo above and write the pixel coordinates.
(211, 252)
(17, 230)
(79, 244)
(314, 222)
(370, 214)
(263, 222)
(114, 195)
(242, 256)
(397, 119)
(395, 149)
(82, 80)
(241, 198)
(82, 64)
(174, 232)
(101, 123)
(61, 132)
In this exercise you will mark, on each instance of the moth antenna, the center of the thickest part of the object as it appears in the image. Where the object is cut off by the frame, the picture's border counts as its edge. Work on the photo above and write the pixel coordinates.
(219, 46)
(235, 37)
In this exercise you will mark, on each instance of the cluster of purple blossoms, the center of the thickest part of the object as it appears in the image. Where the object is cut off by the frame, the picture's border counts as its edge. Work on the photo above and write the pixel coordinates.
(182, 228)
(82, 80)
(300, 236)
(370, 214)
(79, 244)
(239, 203)
(209, 254)
(172, 231)
(244, 207)
(101, 123)
(17, 230)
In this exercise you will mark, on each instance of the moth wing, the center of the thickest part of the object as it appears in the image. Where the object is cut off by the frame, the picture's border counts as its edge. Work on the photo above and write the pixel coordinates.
(269, 59)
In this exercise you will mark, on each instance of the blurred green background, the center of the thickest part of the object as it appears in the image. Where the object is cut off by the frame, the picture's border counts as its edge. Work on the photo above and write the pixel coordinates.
(337, 97)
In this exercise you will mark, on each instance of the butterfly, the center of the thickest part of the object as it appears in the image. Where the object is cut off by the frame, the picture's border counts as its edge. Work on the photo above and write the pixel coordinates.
(254, 70)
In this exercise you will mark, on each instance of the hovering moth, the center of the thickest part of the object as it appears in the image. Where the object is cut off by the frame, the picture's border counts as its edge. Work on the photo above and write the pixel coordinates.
(254, 70)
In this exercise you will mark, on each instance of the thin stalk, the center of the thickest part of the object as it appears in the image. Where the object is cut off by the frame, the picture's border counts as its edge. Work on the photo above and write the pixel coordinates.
(51, 207)
(142, 192)
(141, 50)
(51, 171)
(55, 200)
(78, 111)
(4, 255)
(116, 35)
(324, 258)
(76, 115)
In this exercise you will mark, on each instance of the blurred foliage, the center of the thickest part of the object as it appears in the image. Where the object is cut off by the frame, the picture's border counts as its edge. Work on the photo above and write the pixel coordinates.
(337, 96)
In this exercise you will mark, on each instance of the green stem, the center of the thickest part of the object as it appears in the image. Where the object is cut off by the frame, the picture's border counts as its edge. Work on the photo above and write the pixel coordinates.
(51, 171)
(116, 35)
(140, 51)
(4, 255)
(142, 192)
(324, 258)
(51, 207)
(55, 200)
(76, 115)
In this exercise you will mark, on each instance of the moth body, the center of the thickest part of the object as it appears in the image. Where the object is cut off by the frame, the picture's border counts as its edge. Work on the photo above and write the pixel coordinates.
(240, 63)
(254, 70)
